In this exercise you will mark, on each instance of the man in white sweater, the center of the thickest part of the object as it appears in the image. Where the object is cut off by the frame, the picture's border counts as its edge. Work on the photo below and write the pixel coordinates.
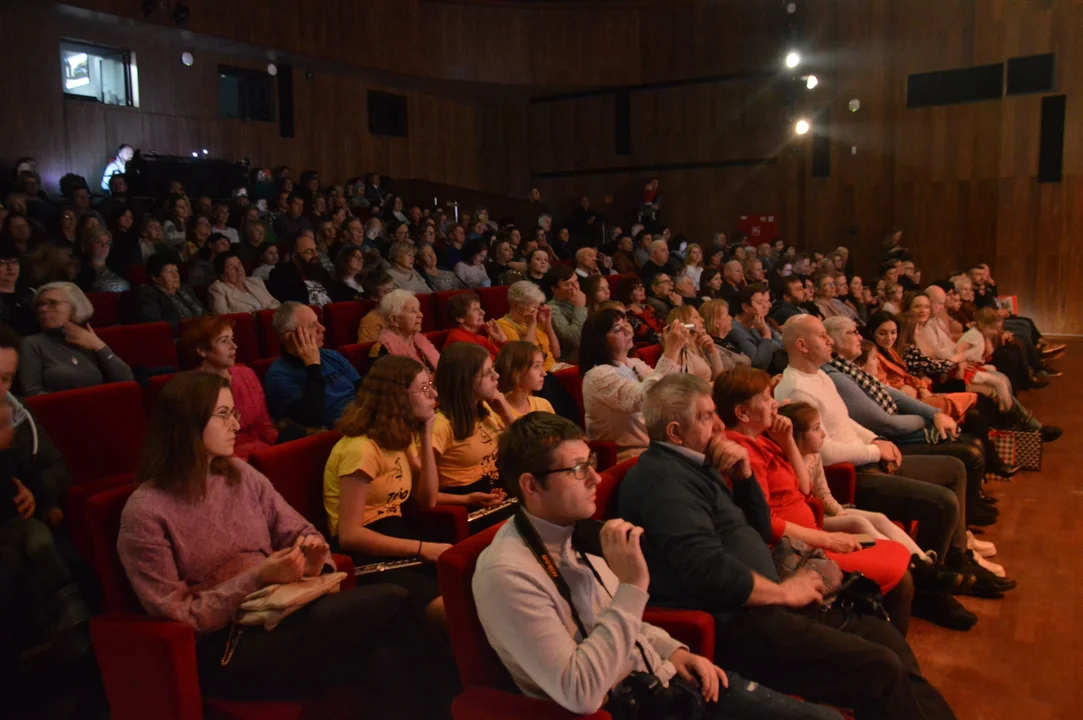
(549, 467)
(930, 489)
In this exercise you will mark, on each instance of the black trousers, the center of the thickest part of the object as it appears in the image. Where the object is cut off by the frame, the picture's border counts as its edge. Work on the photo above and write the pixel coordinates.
(866, 665)
(367, 636)
(967, 449)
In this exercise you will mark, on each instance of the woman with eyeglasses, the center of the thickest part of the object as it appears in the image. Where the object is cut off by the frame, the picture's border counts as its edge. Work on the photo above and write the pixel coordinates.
(646, 326)
(473, 413)
(202, 531)
(210, 347)
(384, 458)
(67, 353)
(615, 384)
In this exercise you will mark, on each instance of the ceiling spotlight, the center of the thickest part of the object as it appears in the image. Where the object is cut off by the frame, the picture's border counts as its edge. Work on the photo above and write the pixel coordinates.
(801, 127)
(792, 59)
(187, 59)
(811, 81)
(272, 69)
(205, 151)
(195, 154)
(855, 105)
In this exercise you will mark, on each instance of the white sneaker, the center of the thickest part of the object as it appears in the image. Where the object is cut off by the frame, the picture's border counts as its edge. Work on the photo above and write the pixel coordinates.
(989, 565)
(983, 548)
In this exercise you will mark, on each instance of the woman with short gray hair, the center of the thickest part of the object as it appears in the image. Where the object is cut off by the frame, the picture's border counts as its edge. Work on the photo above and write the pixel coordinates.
(403, 333)
(66, 354)
(401, 256)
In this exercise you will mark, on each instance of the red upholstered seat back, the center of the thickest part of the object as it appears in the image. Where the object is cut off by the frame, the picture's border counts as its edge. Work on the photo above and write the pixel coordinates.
(438, 338)
(609, 488)
(244, 334)
(358, 355)
(429, 322)
(261, 366)
(106, 308)
(440, 302)
(148, 344)
(478, 663)
(103, 522)
(99, 430)
(343, 319)
(153, 389)
(296, 471)
(650, 354)
(494, 301)
(573, 383)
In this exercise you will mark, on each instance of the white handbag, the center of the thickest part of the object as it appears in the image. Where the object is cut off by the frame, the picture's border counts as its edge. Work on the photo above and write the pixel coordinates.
(270, 605)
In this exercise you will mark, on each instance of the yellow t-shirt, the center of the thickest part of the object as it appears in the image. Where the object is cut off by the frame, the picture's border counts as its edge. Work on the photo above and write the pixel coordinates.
(516, 332)
(391, 472)
(462, 462)
(537, 404)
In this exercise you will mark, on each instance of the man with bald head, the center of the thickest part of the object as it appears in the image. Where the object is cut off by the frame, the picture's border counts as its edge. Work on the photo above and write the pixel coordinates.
(733, 280)
(937, 500)
(657, 262)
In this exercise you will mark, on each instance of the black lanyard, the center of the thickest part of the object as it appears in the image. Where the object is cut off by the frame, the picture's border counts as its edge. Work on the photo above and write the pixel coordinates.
(534, 542)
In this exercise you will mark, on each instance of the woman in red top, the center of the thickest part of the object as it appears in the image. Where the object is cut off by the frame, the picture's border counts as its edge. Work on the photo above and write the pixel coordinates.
(744, 401)
(465, 311)
(209, 343)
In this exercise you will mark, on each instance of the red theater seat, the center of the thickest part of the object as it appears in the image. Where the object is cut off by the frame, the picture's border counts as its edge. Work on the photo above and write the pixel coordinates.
(649, 354)
(106, 308)
(438, 338)
(261, 366)
(440, 302)
(343, 319)
(358, 355)
(494, 301)
(148, 666)
(244, 335)
(488, 691)
(573, 383)
(148, 345)
(429, 322)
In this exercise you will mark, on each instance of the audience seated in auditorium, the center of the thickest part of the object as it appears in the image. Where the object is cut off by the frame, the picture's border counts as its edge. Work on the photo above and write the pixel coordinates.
(220, 223)
(464, 311)
(95, 274)
(16, 300)
(699, 356)
(401, 256)
(614, 383)
(893, 297)
(530, 319)
(658, 262)
(569, 310)
(623, 257)
(928, 488)
(437, 278)
(549, 467)
(201, 268)
(710, 284)
(175, 228)
(402, 336)
(210, 347)
(537, 271)
(733, 279)
(377, 285)
(661, 295)
(790, 304)
(302, 277)
(597, 290)
(499, 265)
(163, 297)
(385, 458)
(308, 384)
(66, 354)
(179, 537)
(473, 413)
(49, 262)
(693, 263)
(646, 325)
(985, 295)
(250, 249)
(828, 302)
(521, 370)
(290, 223)
(744, 402)
(470, 270)
(199, 232)
(705, 542)
(751, 332)
(268, 261)
(717, 323)
(347, 274)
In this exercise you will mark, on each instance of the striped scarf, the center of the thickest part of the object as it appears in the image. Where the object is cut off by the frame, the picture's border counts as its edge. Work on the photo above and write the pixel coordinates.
(872, 387)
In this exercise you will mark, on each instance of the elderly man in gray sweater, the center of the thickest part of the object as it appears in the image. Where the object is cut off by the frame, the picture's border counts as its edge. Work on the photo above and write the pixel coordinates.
(576, 654)
(569, 306)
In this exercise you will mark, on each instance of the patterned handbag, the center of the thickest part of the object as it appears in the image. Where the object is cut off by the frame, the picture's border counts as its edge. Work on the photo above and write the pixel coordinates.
(1017, 447)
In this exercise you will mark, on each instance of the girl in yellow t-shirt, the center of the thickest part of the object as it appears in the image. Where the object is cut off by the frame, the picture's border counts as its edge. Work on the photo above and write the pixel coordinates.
(473, 413)
(384, 457)
(521, 367)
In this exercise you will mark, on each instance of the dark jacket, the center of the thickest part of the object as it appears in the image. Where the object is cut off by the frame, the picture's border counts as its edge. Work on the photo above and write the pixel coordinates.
(287, 283)
(35, 460)
(702, 541)
(649, 270)
(155, 305)
(783, 311)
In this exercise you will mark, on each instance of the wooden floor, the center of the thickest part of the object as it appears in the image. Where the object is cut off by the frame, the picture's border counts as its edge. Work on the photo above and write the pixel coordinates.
(1024, 658)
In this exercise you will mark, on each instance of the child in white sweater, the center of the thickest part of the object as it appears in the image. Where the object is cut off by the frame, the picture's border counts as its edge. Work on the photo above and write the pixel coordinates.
(809, 434)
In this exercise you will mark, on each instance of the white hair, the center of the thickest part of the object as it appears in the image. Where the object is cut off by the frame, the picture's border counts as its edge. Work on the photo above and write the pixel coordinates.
(525, 292)
(657, 244)
(672, 399)
(837, 327)
(394, 302)
(285, 318)
(81, 307)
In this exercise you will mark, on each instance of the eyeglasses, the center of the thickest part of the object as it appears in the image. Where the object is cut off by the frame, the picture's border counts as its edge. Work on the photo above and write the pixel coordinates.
(9, 263)
(51, 304)
(426, 389)
(579, 470)
(490, 373)
(227, 414)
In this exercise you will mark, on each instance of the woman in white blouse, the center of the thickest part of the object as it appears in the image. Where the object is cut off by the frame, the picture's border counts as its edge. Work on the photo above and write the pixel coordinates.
(232, 292)
(693, 262)
(471, 269)
(614, 384)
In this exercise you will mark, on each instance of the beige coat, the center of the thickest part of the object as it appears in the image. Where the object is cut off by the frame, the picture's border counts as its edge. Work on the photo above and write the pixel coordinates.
(225, 299)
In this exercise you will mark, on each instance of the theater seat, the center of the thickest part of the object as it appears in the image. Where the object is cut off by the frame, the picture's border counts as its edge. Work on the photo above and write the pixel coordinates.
(494, 301)
(153, 389)
(572, 382)
(148, 345)
(261, 366)
(606, 452)
(343, 319)
(488, 690)
(106, 308)
(244, 335)
(148, 666)
(358, 355)
(429, 321)
(606, 496)
(438, 338)
(440, 302)
(650, 354)
(296, 471)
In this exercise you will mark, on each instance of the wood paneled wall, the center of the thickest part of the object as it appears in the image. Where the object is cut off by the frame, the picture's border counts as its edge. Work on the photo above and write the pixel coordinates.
(178, 113)
(961, 180)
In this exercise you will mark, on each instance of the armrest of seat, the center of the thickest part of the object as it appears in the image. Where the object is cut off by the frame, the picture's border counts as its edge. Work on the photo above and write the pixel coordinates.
(842, 479)
(148, 667)
(480, 703)
(440, 523)
(694, 628)
(344, 563)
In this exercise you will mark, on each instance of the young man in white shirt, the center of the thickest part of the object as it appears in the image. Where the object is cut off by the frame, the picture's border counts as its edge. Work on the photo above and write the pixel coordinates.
(536, 632)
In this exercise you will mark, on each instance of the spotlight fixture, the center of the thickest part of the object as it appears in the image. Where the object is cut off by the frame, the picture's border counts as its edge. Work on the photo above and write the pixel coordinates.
(187, 59)
(811, 81)
(855, 105)
(195, 154)
(801, 127)
(205, 151)
(792, 59)
(272, 69)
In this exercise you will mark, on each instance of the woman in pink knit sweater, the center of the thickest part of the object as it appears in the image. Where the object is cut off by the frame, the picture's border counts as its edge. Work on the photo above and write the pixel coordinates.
(204, 530)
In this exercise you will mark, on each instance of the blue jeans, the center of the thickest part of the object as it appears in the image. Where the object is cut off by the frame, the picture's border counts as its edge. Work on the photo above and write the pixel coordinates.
(746, 700)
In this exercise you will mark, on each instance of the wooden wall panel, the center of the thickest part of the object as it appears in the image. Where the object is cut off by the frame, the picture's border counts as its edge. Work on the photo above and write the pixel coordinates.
(961, 180)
